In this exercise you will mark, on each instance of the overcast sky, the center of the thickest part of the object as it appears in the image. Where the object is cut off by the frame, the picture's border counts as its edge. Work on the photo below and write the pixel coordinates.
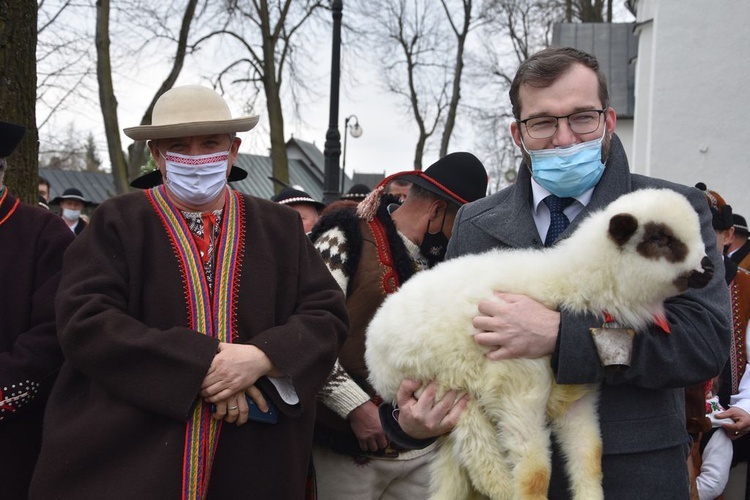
(386, 145)
(389, 133)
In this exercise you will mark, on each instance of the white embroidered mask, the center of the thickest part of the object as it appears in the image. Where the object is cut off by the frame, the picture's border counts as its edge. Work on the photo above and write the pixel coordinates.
(196, 180)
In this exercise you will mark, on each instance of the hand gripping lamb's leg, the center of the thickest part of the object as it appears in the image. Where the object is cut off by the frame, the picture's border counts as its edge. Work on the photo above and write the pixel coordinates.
(575, 423)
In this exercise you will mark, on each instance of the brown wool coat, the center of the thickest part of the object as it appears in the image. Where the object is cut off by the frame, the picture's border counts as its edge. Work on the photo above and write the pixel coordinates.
(116, 419)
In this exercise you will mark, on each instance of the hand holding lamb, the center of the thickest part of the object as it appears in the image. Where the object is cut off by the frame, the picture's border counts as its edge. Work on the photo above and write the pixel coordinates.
(624, 260)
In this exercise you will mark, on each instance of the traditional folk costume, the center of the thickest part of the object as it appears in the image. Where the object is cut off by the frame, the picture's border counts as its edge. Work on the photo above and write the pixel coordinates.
(32, 243)
(734, 390)
(370, 260)
(741, 256)
(146, 296)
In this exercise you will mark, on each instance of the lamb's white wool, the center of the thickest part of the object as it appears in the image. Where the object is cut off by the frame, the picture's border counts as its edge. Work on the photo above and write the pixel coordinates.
(625, 259)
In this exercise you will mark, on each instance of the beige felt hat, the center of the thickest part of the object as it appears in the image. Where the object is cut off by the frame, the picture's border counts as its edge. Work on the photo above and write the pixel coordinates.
(187, 111)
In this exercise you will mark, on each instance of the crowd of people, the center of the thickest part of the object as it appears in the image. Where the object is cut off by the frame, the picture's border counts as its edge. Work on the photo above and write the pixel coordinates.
(195, 342)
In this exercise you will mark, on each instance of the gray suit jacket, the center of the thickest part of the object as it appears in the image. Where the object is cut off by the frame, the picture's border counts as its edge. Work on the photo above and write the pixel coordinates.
(642, 407)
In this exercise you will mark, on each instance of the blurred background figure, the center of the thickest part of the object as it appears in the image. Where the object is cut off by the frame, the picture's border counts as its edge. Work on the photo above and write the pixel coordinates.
(44, 188)
(72, 204)
(350, 199)
(308, 208)
(357, 192)
(398, 188)
(739, 248)
(734, 384)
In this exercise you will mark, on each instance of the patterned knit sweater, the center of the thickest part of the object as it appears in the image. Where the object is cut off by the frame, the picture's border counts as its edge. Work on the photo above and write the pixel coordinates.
(340, 392)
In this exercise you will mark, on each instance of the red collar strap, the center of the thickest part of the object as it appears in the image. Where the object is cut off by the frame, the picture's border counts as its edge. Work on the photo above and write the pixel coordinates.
(660, 321)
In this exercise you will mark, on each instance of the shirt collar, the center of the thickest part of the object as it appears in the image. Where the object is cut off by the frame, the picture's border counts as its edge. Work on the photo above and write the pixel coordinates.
(539, 193)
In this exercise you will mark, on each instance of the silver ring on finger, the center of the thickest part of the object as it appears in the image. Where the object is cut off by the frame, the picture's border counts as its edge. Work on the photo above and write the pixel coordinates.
(232, 408)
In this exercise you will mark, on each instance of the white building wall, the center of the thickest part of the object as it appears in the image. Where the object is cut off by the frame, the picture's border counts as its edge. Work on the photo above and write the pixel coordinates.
(624, 129)
(692, 116)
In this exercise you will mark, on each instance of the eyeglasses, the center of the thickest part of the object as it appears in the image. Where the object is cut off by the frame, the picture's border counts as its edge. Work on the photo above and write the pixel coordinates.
(580, 122)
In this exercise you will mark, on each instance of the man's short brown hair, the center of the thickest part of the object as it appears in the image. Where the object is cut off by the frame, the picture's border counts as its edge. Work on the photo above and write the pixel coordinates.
(546, 66)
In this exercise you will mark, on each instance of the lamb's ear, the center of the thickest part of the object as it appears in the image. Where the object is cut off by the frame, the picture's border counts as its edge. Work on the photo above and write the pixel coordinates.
(622, 227)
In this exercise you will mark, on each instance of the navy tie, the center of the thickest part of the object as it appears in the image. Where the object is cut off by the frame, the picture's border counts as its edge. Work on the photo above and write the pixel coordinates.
(559, 222)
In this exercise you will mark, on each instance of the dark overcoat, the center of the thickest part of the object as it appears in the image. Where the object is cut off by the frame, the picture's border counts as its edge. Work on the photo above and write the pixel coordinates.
(32, 243)
(642, 409)
(115, 426)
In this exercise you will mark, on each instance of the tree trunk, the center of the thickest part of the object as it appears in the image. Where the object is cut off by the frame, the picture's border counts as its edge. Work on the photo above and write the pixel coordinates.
(450, 121)
(107, 99)
(271, 85)
(137, 152)
(18, 37)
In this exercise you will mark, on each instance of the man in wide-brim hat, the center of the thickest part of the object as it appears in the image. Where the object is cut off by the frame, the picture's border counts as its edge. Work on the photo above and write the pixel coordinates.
(371, 253)
(177, 118)
(32, 243)
(188, 309)
(71, 204)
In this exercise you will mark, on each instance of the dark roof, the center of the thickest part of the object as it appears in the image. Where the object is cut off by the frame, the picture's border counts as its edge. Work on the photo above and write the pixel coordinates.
(98, 186)
(95, 186)
(615, 46)
(260, 169)
(314, 157)
(369, 180)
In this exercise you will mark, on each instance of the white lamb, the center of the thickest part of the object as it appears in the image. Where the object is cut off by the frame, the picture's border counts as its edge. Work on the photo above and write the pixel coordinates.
(626, 259)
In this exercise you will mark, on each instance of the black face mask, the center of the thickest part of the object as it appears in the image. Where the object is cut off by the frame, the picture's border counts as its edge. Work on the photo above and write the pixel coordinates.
(434, 245)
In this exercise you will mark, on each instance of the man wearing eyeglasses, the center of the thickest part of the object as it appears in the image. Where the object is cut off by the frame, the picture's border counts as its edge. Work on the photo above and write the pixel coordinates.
(572, 165)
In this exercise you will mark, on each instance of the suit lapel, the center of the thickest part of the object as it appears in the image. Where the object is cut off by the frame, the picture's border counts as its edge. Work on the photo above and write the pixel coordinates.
(510, 220)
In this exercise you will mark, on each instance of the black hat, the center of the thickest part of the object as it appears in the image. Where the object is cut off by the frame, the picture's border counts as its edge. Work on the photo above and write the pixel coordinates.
(71, 194)
(153, 178)
(457, 177)
(740, 224)
(10, 136)
(291, 196)
(357, 192)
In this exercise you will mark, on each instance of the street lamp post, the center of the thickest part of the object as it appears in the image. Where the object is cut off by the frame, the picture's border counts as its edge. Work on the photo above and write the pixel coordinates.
(332, 149)
(356, 131)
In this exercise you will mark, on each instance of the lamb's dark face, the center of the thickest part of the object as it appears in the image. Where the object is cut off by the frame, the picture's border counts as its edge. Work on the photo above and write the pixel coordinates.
(658, 241)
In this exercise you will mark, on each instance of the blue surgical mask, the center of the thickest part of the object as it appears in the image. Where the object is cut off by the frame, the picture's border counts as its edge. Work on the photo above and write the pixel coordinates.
(71, 215)
(568, 172)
